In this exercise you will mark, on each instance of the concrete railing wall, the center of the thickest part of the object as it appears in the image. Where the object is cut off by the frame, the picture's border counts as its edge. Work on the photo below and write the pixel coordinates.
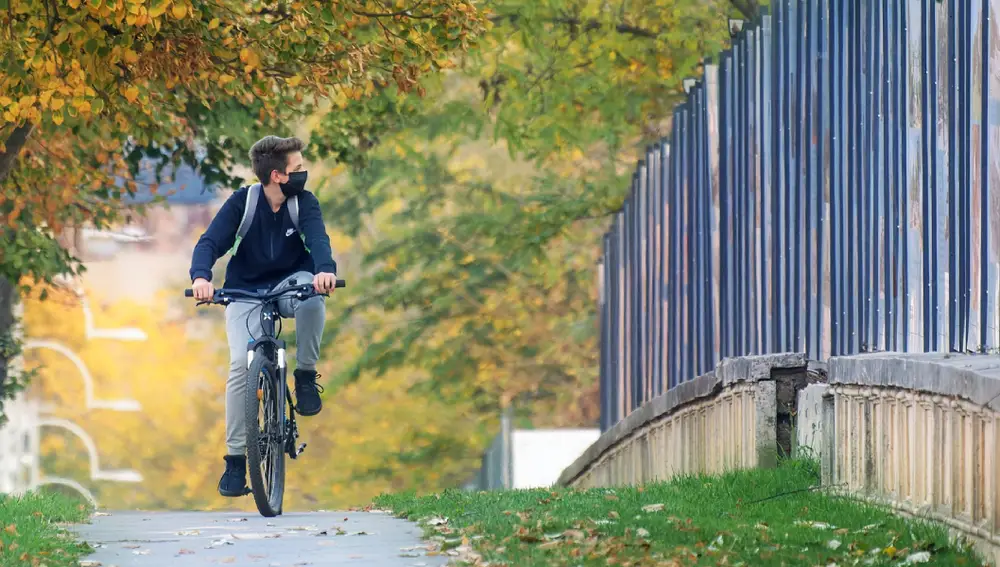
(733, 417)
(919, 433)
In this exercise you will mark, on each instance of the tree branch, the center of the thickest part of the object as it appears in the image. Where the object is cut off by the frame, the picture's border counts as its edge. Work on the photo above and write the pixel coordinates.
(408, 12)
(586, 25)
(13, 146)
(749, 9)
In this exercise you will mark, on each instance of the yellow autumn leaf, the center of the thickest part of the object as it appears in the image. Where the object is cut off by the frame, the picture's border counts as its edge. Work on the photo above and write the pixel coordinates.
(57, 103)
(131, 94)
(178, 11)
(57, 118)
(213, 24)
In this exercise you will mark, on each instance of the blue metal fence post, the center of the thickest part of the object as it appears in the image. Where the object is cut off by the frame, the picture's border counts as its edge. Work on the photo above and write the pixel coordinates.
(801, 178)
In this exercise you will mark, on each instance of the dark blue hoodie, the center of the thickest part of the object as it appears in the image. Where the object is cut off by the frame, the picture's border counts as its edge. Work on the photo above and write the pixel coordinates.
(271, 250)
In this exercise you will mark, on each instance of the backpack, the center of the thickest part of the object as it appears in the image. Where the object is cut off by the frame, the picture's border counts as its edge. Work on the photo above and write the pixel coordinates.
(253, 195)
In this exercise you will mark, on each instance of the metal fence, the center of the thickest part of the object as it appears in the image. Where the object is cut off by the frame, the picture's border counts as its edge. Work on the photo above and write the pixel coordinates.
(831, 185)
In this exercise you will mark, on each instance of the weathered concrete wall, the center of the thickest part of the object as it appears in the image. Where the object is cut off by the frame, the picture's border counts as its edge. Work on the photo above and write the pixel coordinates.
(724, 420)
(920, 433)
(809, 422)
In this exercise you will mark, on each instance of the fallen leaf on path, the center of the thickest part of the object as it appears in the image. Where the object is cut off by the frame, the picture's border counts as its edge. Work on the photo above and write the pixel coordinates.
(131, 545)
(919, 557)
(185, 552)
(816, 525)
(188, 533)
(226, 560)
(416, 547)
(256, 536)
(220, 542)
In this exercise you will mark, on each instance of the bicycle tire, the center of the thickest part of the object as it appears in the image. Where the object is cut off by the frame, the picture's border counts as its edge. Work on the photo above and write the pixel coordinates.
(268, 497)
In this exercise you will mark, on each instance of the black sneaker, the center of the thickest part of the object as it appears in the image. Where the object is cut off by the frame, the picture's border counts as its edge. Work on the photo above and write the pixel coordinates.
(233, 483)
(307, 392)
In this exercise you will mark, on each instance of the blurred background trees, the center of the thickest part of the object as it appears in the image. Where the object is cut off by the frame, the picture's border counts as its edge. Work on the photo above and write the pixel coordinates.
(468, 159)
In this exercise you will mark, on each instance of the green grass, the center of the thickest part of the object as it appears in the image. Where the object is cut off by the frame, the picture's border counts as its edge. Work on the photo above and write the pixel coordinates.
(30, 533)
(751, 518)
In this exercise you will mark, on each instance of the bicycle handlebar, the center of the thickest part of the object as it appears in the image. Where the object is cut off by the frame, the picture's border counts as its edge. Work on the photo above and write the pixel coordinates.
(223, 295)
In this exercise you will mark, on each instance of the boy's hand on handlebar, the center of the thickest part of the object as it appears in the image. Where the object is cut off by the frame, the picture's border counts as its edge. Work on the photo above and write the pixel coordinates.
(324, 282)
(202, 289)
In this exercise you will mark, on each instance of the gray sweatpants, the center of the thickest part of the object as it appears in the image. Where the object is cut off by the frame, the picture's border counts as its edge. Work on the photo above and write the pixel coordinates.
(310, 315)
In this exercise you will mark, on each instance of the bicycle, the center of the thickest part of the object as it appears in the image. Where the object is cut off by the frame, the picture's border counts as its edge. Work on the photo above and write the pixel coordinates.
(271, 432)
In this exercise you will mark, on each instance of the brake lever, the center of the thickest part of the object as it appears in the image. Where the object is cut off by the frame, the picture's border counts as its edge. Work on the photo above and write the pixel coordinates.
(200, 303)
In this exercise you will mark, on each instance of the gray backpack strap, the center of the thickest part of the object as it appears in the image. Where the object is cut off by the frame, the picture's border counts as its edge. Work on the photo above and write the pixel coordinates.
(293, 211)
(253, 195)
(249, 210)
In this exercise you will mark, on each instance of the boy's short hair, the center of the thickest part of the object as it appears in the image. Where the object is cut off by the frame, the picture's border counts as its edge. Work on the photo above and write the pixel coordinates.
(270, 153)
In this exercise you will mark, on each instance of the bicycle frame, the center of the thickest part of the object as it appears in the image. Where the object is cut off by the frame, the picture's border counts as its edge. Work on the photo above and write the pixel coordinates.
(274, 349)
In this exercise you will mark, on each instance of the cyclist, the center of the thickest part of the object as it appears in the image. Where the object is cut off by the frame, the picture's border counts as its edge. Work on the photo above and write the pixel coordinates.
(261, 224)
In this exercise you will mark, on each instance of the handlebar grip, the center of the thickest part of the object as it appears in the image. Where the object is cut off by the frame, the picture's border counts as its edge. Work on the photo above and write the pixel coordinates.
(188, 293)
(341, 283)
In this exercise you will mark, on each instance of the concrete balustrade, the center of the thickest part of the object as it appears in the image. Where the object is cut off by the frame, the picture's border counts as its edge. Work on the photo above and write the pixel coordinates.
(728, 419)
(919, 433)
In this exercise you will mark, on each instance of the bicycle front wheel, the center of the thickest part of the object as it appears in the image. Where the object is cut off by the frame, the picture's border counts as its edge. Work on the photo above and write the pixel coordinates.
(265, 415)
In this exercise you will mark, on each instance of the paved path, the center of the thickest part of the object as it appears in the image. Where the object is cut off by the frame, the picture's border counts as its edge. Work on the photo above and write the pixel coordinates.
(203, 539)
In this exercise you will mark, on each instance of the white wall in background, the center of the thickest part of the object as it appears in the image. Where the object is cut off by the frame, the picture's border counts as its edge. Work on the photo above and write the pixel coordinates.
(541, 455)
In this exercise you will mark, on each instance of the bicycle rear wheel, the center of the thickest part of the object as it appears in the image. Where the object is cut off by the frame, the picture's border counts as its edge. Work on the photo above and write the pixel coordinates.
(265, 415)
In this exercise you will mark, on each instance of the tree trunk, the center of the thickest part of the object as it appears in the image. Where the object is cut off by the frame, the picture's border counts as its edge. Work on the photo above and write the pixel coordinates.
(7, 298)
(13, 144)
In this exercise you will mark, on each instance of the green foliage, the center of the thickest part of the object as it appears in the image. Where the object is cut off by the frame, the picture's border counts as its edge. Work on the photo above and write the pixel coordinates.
(479, 211)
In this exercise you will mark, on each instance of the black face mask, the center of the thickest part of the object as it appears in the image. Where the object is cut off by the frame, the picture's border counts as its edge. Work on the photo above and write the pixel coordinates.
(296, 183)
